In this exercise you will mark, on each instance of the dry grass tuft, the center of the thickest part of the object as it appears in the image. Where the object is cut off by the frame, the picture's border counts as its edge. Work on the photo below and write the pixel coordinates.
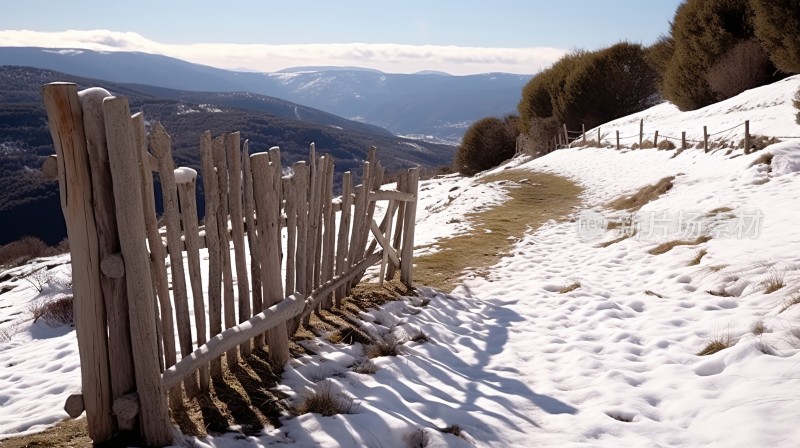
(322, 400)
(365, 366)
(54, 313)
(624, 236)
(718, 211)
(666, 145)
(697, 257)
(386, 346)
(669, 245)
(758, 328)
(765, 158)
(654, 294)
(569, 288)
(791, 301)
(647, 194)
(716, 344)
(774, 280)
(759, 142)
(17, 253)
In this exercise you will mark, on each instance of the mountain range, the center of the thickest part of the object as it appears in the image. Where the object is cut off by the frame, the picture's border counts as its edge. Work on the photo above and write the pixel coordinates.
(432, 105)
(29, 204)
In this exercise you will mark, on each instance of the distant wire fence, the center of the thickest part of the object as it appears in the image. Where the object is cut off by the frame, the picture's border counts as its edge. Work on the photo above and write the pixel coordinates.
(568, 138)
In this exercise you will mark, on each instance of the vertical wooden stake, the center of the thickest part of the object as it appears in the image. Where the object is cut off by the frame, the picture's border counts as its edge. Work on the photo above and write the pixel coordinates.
(161, 143)
(252, 237)
(407, 258)
(599, 144)
(655, 140)
(75, 186)
(566, 135)
(683, 139)
(268, 221)
(234, 154)
(115, 295)
(187, 196)
(583, 133)
(220, 159)
(344, 229)
(641, 132)
(153, 413)
(705, 138)
(212, 194)
(747, 136)
(617, 140)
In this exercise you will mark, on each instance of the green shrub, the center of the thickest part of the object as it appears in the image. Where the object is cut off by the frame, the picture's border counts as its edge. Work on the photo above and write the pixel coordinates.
(486, 144)
(607, 84)
(776, 24)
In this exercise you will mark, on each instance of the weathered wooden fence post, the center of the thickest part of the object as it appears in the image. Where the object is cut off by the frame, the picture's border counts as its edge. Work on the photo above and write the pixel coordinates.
(212, 195)
(75, 187)
(268, 221)
(747, 136)
(655, 140)
(407, 258)
(161, 143)
(641, 132)
(705, 138)
(599, 144)
(115, 296)
(123, 159)
(566, 135)
(683, 139)
(234, 154)
(617, 140)
(583, 133)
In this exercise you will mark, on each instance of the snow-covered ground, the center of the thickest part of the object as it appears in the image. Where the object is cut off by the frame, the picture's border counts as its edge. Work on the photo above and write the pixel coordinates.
(512, 360)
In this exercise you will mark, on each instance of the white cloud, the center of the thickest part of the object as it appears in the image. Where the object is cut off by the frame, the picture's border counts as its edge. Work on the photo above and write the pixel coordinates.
(394, 58)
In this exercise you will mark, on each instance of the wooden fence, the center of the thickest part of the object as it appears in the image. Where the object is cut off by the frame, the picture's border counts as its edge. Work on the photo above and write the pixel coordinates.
(566, 138)
(286, 244)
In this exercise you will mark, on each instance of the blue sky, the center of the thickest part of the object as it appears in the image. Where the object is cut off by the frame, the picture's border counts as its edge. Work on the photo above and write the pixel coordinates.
(460, 37)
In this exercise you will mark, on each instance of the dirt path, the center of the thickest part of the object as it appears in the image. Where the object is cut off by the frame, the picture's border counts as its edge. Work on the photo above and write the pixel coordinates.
(535, 198)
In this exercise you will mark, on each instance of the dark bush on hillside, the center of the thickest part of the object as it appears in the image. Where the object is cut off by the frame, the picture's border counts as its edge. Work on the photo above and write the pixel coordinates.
(486, 144)
(703, 31)
(543, 90)
(608, 84)
(659, 54)
(744, 67)
(776, 24)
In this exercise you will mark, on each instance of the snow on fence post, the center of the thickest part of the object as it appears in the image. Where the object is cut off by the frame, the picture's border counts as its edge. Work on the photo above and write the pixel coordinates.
(161, 143)
(683, 139)
(187, 186)
(268, 209)
(120, 357)
(705, 138)
(74, 179)
(747, 136)
(407, 257)
(123, 160)
(234, 154)
(211, 190)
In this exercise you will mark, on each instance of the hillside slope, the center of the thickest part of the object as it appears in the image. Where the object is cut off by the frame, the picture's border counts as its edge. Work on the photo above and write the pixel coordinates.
(587, 336)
